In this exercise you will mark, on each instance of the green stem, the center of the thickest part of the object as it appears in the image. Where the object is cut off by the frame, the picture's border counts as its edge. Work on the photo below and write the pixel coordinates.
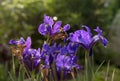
(24, 68)
(108, 66)
(88, 67)
(32, 76)
(92, 66)
(13, 68)
(54, 71)
(13, 61)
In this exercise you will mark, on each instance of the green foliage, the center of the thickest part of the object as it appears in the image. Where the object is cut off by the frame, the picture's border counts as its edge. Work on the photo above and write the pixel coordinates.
(100, 75)
(4, 73)
(21, 18)
(18, 18)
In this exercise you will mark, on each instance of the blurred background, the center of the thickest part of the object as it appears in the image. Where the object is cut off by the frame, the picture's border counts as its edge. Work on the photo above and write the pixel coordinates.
(21, 18)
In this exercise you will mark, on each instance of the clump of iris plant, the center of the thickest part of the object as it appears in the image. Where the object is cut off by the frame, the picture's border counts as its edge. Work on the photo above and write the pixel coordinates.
(30, 57)
(86, 40)
(55, 59)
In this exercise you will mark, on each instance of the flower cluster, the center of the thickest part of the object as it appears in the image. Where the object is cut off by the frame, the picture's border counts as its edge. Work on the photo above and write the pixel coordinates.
(29, 56)
(48, 27)
(63, 56)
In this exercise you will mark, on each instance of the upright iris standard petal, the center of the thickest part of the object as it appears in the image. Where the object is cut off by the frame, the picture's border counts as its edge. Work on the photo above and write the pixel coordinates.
(57, 27)
(98, 30)
(87, 29)
(28, 43)
(48, 20)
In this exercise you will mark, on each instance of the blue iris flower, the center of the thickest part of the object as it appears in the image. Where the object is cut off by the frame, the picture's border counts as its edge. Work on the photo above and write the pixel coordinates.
(30, 57)
(85, 38)
(48, 27)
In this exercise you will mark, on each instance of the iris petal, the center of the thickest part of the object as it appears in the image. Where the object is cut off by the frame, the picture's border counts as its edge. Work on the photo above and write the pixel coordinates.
(48, 20)
(66, 27)
(21, 41)
(103, 40)
(98, 30)
(12, 41)
(44, 29)
(56, 27)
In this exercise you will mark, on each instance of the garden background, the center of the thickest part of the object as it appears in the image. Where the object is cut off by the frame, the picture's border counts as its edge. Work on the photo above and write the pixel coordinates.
(21, 18)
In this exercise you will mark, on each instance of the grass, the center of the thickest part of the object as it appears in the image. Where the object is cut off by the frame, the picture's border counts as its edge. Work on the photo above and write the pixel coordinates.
(101, 74)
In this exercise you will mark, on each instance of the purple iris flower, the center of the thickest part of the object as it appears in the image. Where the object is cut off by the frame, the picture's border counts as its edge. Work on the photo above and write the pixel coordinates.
(66, 59)
(32, 58)
(65, 62)
(14, 42)
(85, 38)
(49, 53)
(22, 42)
(46, 56)
(48, 27)
(69, 49)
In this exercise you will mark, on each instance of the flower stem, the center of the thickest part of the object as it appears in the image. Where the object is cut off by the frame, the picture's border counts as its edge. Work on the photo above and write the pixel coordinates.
(54, 72)
(88, 67)
(13, 61)
(108, 66)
